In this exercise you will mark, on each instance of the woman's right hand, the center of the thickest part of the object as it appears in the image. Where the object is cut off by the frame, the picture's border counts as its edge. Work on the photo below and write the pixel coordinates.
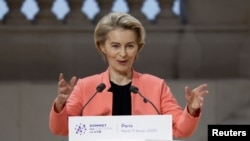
(64, 91)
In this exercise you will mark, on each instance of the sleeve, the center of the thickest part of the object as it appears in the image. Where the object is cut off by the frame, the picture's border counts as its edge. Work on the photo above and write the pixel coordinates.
(58, 122)
(184, 124)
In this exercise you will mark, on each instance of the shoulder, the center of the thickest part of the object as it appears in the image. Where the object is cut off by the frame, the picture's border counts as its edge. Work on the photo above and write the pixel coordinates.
(150, 83)
(91, 79)
(149, 78)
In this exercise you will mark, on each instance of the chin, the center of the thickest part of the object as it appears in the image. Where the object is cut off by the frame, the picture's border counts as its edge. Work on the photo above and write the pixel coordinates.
(123, 70)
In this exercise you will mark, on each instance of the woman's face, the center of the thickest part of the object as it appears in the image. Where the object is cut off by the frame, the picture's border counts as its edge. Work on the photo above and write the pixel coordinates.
(120, 49)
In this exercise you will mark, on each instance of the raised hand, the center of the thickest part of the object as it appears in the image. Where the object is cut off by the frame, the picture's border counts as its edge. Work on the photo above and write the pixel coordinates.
(64, 91)
(195, 98)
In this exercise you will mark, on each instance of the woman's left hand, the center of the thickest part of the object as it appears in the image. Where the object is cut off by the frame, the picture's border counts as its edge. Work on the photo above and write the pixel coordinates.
(195, 98)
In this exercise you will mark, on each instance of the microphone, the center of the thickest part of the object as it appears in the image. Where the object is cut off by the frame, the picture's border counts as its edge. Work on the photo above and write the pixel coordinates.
(135, 90)
(99, 89)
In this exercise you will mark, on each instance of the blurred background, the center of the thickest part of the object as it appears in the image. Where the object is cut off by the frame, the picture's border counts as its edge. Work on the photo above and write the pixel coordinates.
(188, 42)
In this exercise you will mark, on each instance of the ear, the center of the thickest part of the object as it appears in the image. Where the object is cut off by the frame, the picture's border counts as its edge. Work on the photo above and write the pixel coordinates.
(101, 48)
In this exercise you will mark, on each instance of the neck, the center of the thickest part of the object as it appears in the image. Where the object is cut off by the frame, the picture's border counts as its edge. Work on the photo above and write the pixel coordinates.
(120, 78)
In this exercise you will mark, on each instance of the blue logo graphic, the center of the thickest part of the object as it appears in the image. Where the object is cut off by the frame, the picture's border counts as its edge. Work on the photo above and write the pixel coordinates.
(80, 129)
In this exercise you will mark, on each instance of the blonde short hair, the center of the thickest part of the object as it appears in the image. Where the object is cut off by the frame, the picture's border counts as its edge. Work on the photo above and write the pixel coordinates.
(115, 20)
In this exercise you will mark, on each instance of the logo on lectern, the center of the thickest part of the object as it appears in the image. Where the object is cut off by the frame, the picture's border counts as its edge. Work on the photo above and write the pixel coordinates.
(80, 129)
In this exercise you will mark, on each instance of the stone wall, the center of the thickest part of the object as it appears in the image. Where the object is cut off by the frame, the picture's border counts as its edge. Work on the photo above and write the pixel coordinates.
(212, 47)
(212, 44)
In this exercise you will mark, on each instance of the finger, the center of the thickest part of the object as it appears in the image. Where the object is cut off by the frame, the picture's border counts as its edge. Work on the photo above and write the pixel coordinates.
(73, 81)
(203, 93)
(61, 81)
(61, 76)
(202, 87)
(201, 104)
(201, 99)
(187, 91)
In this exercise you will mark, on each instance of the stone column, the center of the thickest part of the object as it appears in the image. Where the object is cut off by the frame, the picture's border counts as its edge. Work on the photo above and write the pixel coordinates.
(166, 15)
(15, 16)
(105, 7)
(45, 15)
(76, 16)
(135, 10)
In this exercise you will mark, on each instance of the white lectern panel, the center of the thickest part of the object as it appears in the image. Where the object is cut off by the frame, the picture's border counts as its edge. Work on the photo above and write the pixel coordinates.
(141, 127)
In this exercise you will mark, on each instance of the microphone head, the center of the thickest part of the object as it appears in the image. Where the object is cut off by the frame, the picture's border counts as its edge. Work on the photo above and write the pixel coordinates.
(100, 87)
(134, 89)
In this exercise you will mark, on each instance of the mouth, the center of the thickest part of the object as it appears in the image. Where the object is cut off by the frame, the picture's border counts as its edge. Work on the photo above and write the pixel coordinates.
(123, 62)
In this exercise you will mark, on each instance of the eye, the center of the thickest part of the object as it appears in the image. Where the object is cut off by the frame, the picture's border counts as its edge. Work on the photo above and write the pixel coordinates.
(130, 46)
(115, 46)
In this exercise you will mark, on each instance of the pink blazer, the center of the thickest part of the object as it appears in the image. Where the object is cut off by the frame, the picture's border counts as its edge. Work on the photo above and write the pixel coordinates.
(152, 87)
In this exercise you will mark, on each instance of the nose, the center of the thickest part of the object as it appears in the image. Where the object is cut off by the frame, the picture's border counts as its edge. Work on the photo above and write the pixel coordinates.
(123, 52)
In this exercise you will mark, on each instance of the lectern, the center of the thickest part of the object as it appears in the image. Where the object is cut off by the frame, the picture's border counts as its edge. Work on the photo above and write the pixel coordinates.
(121, 128)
